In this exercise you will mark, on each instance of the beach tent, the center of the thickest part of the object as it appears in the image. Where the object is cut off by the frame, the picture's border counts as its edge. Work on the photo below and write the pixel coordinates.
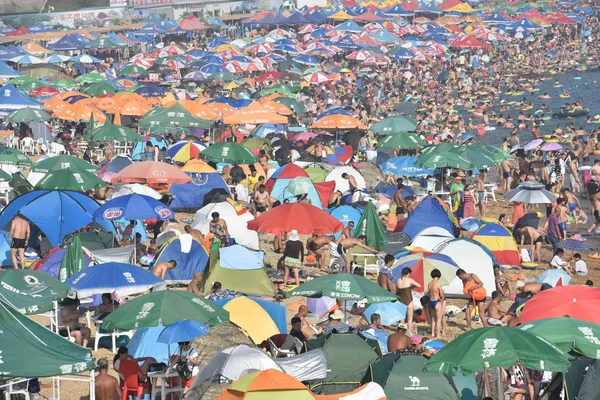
(189, 255)
(474, 258)
(7, 72)
(14, 99)
(348, 358)
(430, 212)
(143, 344)
(204, 188)
(264, 385)
(245, 275)
(403, 378)
(287, 172)
(430, 238)
(341, 184)
(5, 260)
(236, 219)
(51, 263)
(500, 242)
(581, 381)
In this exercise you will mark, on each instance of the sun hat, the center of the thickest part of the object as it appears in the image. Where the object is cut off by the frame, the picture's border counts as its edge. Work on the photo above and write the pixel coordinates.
(416, 339)
(402, 325)
(293, 235)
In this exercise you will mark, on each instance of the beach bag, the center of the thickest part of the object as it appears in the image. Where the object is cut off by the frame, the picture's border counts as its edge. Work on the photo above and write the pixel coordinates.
(183, 370)
(478, 294)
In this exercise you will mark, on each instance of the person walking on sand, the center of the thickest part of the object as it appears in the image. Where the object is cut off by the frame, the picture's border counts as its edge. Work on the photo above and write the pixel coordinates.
(18, 238)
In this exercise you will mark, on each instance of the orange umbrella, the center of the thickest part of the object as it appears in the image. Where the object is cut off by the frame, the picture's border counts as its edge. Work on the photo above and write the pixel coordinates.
(338, 121)
(198, 166)
(78, 112)
(106, 104)
(197, 109)
(54, 105)
(122, 98)
(117, 118)
(272, 97)
(135, 108)
(151, 172)
(222, 108)
(255, 113)
(203, 100)
(277, 108)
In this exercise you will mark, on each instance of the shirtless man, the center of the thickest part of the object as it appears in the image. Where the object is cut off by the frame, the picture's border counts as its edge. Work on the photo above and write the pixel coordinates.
(261, 200)
(195, 233)
(498, 315)
(535, 241)
(398, 340)
(351, 181)
(384, 279)
(160, 269)
(506, 175)
(532, 287)
(315, 245)
(18, 238)
(563, 216)
(344, 244)
(106, 386)
(399, 201)
(218, 227)
(193, 286)
(474, 283)
(334, 199)
(307, 330)
(347, 232)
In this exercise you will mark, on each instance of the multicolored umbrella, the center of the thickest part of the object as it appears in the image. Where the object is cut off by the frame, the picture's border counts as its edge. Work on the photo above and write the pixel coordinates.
(185, 150)
(421, 265)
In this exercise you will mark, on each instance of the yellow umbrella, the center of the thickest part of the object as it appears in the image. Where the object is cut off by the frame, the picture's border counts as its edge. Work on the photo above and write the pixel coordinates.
(252, 318)
(341, 16)
(225, 47)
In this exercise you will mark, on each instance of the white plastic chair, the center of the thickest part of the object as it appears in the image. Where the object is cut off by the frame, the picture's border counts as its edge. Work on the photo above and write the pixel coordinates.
(27, 145)
(113, 335)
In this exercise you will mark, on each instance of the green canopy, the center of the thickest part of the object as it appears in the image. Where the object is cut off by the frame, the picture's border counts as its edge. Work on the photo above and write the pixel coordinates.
(393, 125)
(5, 176)
(402, 377)
(28, 115)
(29, 291)
(73, 260)
(104, 42)
(496, 153)
(345, 287)
(317, 174)
(9, 155)
(70, 179)
(223, 76)
(132, 70)
(569, 334)
(65, 84)
(100, 89)
(166, 306)
(228, 152)
(61, 162)
(281, 88)
(293, 104)
(28, 86)
(114, 133)
(90, 77)
(176, 115)
(30, 350)
(370, 226)
(497, 346)
(401, 141)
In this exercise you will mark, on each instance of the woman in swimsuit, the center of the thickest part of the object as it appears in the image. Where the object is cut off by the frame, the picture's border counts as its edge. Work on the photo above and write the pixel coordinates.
(437, 305)
(404, 287)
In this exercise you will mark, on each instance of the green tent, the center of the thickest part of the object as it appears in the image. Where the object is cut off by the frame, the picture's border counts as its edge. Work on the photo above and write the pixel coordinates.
(370, 226)
(247, 281)
(98, 240)
(176, 115)
(31, 292)
(104, 42)
(581, 381)
(30, 350)
(348, 357)
(403, 377)
(73, 260)
(317, 174)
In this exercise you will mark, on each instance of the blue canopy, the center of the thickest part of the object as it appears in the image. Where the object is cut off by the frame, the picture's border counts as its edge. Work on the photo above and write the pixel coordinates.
(349, 26)
(189, 255)
(297, 18)
(7, 72)
(496, 18)
(525, 24)
(428, 213)
(203, 189)
(333, 111)
(405, 166)
(241, 258)
(57, 213)
(67, 42)
(430, 8)
(399, 10)
(384, 36)
(13, 99)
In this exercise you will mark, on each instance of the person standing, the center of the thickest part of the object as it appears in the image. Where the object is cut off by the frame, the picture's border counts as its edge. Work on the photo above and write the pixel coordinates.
(18, 238)
(106, 386)
(293, 256)
(473, 288)
(404, 287)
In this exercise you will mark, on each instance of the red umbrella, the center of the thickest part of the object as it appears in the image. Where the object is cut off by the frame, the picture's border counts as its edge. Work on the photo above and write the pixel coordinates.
(579, 302)
(305, 218)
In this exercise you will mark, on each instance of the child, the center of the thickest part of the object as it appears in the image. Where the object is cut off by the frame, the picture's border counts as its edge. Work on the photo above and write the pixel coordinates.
(580, 265)
(580, 216)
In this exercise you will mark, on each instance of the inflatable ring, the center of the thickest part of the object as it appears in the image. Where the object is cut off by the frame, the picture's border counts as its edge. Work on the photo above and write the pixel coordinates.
(595, 255)
(552, 141)
(529, 265)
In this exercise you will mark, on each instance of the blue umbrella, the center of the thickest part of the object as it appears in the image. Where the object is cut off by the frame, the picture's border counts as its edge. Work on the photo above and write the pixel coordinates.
(390, 312)
(573, 245)
(210, 69)
(552, 276)
(306, 59)
(113, 277)
(133, 207)
(182, 331)
(405, 166)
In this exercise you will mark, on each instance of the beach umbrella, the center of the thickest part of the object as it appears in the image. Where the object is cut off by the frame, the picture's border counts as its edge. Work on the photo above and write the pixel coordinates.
(569, 334)
(551, 147)
(390, 312)
(151, 172)
(401, 141)
(293, 104)
(182, 331)
(317, 78)
(554, 277)
(63, 162)
(113, 277)
(85, 59)
(65, 84)
(483, 348)
(31, 292)
(166, 307)
(305, 218)
(114, 133)
(5, 176)
(344, 286)
(573, 245)
(73, 260)
(228, 152)
(29, 86)
(134, 188)
(496, 153)
(255, 143)
(393, 125)
(12, 156)
(299, 185)
(421, 265)
(21, 80)
(580, 302)
(338, 121)
(70, 179)
(531, 192)
(133, 207)
(370, 226)
(91, 77)
(185, 150)
(533, 144)
(132, 70)
(443, 159)
(478, 158)
(404, 166)
(224, 76)
(100, 89)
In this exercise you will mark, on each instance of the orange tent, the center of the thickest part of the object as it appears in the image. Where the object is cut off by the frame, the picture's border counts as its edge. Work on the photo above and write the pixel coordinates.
(268, 384)
(77, 112)
(151, 172)
(338, 121)
(277, 108)
(135, 108)
(368, 391)
(34, 48)
(198, 166)
(255, 113)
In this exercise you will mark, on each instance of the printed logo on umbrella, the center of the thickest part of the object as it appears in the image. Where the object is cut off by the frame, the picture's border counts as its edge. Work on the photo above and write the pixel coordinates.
(163, 212)
(159, 173)
(113, 213)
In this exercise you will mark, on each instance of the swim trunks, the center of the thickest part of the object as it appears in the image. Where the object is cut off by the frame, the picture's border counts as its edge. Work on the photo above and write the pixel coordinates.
(563, 226)
(505, 174)
(572, 206)
(341, 249)
(261, 209)
(17, 243)
(312, 246)
(539, 240)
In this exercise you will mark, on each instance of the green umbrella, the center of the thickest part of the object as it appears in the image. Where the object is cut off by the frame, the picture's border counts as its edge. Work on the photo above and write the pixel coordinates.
(223, 76)
(8, 155)
(299, 185)
(370, 226)
(30, 349)
(73, 261)
(5, 176)
(169, 129)
(497, 346)
(166, 307)
(132, 70)
(114, 133)
(293, 104)
(476, 156)
(317, 174)
(70, 179)
(63, 162)
(28, 86)
(393, 125)
(569, 334)
(228, 152)
(91, 77)
(496, 153)
(176, 116)
(255, 143)
(65, 84)
(28, 114)
(442, 157)
(281, 88)
(21, 80)
(100, 89)
(401, 141)
(31, 292)
(345, 287)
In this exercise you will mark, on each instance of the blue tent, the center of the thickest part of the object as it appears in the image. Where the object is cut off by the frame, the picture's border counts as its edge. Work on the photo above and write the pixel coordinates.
(348, 26)
(5, 260)
(144, 344)
(217, 41)
(241, 258)
(431, 8)
(57, 213)
(496, 18)
(525, 24)
(428, 213)
(280, 192)
(7, 72)
(51, 263)
(355, 10)
(13, 99)
(67, 42)
(384, 36)
(296, 18)
(189, 255)
(268, 19)
(333, 111)
(316, 16)
(203, 189)
(399, 10)
(40, 27)
(276, 311)
(404, 166)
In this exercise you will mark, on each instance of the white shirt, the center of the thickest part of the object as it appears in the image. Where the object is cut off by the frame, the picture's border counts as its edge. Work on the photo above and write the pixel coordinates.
(193, 354)
(241, 192)
(557, 262)
(581, 267)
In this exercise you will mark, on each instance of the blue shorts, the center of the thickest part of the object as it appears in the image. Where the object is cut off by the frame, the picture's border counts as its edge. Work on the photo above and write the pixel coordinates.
(563, 226)
(572, 206)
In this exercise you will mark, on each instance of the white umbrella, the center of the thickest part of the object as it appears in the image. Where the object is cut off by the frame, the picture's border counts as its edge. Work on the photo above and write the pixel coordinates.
(530, 192)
